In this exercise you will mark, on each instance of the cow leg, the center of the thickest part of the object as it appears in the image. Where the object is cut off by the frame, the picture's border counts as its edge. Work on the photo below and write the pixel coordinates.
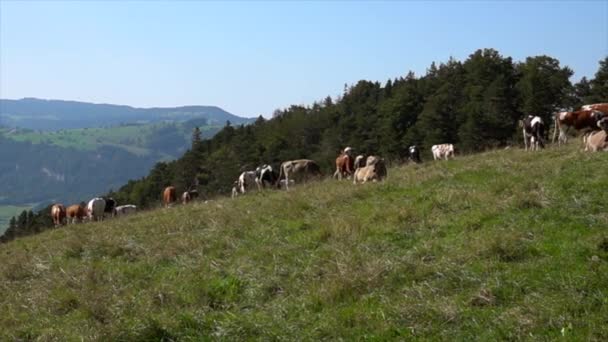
(286, 180)
(525, 140)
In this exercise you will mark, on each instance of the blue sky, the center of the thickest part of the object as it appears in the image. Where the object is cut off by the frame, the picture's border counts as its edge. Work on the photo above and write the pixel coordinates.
(251, 58)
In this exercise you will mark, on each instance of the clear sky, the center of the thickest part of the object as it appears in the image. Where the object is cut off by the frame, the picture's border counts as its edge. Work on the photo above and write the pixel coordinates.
(251, 58)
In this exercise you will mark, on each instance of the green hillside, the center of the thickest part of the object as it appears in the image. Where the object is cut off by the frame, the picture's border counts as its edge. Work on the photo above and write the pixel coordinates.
(133, 138)
(498, 245)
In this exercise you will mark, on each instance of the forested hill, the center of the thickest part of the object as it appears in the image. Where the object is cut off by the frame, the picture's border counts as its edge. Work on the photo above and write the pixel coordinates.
(41, 114)
(475, 104)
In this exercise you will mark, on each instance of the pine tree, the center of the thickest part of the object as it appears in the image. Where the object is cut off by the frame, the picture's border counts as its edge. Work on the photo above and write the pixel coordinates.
(599, 85)
(196, 137)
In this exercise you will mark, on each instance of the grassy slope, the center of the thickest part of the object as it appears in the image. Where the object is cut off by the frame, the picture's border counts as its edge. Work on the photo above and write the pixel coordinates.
(501, 245)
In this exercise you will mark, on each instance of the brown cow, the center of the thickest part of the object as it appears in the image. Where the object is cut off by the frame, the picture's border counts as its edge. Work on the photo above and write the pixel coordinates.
(344, 166)
(169, 196)
(579, 120)
(58, 214)
(373, 171)
(602, 107)
(76, 213)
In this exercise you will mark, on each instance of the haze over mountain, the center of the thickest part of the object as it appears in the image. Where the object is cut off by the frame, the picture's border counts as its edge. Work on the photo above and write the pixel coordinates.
(43, 114)
(68, 151)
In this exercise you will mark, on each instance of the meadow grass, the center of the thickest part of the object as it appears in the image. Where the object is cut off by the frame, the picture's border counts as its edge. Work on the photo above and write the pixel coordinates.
(503, 245)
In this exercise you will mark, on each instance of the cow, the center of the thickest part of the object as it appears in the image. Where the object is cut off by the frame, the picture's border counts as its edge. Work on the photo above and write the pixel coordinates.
(246, 181)
(300, 169)
(533, 129)
(58, 214)
(169, 196)
(359, 161)
(125, 210)
(110, 205)
(414, 154)
(371, 160)
(442, 151)
(582, 120)
(374, 171)
(344, 165)
(189, 195)
(597, 141)
(96, 208)
(76, 213)
(265, 176)
(602, 107)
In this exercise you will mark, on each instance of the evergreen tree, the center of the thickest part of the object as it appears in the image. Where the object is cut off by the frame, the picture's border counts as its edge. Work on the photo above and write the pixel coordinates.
(196, 137)
(599, 85)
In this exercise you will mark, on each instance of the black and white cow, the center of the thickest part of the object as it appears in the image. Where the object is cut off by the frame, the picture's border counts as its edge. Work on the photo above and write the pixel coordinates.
(533, 129)
(265, 176)
(414, 154)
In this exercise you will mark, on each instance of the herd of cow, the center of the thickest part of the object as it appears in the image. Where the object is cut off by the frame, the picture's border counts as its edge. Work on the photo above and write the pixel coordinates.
(592, 120)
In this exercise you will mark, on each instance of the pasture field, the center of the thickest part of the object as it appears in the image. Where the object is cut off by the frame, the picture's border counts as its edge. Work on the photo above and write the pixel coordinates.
(8, 211)
(503, 245)
(133, 138)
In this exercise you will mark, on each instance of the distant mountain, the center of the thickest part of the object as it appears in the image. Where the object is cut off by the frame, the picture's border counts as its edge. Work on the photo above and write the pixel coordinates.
(53, 115)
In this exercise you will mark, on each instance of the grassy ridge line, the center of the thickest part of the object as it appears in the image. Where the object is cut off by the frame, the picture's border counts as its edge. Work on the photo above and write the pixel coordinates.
(501, 245)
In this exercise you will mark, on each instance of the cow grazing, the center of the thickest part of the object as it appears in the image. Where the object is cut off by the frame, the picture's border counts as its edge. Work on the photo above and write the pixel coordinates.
(597, 141)
(246, 181)
(76, 213)
(442, 151)
(582, 120)
(169, 196)
(359, 161)
(265, 176)
(374, 171)
(188, 196)
(414, 154)
(125, 210)
(344, 166)
(533, 129)
(300, 170)
(96, 208)
(58, 214)
(110, 205)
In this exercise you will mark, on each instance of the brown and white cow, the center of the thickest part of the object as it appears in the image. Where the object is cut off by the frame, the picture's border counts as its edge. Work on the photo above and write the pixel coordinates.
(344, 166)
(602, 107)
(169, 196)
(76, 213)
(58, 214)
(582, 120)
(300, 170)
(373, 171)
(533, 129)
(442, 151)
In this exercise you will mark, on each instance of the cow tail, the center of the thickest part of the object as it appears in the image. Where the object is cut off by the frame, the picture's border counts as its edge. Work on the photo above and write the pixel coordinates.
(280, 175)
(556, 128)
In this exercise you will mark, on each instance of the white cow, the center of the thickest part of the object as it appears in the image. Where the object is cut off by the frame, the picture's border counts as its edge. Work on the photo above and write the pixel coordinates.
(125, 210)
(443, 151)
(96, 208)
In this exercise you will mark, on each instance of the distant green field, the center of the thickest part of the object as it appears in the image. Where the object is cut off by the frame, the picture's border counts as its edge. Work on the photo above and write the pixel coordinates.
(8, 211)
(133, 138)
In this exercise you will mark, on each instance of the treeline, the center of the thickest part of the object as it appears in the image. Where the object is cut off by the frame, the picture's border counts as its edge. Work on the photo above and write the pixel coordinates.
(475, 104)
